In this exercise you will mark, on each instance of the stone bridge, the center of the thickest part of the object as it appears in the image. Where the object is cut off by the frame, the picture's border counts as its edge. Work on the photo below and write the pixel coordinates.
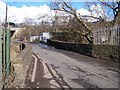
(16, 31)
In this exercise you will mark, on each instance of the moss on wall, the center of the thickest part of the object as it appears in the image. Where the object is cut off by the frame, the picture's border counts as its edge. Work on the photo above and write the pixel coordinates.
(109, 52)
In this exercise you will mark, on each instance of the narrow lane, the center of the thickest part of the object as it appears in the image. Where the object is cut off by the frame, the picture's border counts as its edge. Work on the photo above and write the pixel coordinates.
(72, 73)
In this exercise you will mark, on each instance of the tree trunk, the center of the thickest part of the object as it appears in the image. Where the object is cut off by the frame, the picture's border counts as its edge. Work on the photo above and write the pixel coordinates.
(88, 39)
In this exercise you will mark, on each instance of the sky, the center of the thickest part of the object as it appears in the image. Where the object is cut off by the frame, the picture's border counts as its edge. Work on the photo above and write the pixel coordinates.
(18, 11)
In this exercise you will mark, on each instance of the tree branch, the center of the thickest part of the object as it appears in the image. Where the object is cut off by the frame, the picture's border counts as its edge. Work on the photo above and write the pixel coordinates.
(104, 3)
(90, 16)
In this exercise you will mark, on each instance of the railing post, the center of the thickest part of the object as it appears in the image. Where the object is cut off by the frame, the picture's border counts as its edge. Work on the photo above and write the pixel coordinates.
(21, 47)
(0, 56)
(4, 52)
(8, 51)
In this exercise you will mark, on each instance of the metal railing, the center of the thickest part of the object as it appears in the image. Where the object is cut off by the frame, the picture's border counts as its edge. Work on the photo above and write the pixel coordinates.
(0, 55)
(107, 35)
(4, 53)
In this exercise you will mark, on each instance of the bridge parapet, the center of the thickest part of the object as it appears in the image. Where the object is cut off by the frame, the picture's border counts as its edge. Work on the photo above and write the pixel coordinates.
(21, 59)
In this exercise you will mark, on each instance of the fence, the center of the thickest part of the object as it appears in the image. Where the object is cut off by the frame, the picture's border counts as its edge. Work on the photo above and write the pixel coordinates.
(107, 35)
(4, 54)
(0, 56)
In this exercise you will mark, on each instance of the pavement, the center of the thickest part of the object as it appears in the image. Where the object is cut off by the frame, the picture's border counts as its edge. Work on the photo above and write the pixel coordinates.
(42, 79)
(63, 69)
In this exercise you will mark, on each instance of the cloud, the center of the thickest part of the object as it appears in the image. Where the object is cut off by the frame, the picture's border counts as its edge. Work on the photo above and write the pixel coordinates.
(17, 14)
(2, 10)
(97, 11)
(83, 11)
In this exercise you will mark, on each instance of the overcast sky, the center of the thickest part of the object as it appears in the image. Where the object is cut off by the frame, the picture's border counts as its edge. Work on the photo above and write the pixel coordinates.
(17, 11)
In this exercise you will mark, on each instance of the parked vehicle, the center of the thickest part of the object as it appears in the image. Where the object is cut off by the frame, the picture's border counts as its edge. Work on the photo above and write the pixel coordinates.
(21, 39)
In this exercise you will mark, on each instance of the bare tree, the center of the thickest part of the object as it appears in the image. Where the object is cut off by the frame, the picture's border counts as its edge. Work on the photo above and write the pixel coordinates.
(102, 16)
(67, 7)
(114, 6)
(44, 22)
(113, 10)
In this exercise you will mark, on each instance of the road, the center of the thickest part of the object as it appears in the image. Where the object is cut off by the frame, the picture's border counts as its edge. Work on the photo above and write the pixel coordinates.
(69, 71)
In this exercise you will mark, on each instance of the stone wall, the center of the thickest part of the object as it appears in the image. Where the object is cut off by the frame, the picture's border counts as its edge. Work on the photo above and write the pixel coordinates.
(85, 49)
(107, 52)
(21, 58)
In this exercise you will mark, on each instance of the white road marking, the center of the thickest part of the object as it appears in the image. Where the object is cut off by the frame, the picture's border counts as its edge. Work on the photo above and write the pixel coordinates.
(46, 72)
(38, 83)
(34, 69)
(48, 75)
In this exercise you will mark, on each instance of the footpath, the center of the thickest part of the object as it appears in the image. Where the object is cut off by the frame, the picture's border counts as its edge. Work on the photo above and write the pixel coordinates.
(38, 75)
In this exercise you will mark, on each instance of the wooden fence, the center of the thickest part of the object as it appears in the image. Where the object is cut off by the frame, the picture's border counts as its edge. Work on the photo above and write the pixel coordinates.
(107, 35)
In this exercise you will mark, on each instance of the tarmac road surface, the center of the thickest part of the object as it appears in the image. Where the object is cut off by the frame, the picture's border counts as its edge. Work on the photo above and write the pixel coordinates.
(69, 71)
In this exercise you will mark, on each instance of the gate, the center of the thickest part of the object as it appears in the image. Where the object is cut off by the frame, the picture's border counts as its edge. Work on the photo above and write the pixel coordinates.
(4, 53)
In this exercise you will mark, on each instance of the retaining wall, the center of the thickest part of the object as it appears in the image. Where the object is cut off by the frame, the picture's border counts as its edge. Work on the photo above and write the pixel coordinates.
(107, 52)
(21, 63)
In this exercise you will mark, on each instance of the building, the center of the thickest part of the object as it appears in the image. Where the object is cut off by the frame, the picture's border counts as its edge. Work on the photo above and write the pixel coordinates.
(46, 35)
(35, 38)
(43, 37)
